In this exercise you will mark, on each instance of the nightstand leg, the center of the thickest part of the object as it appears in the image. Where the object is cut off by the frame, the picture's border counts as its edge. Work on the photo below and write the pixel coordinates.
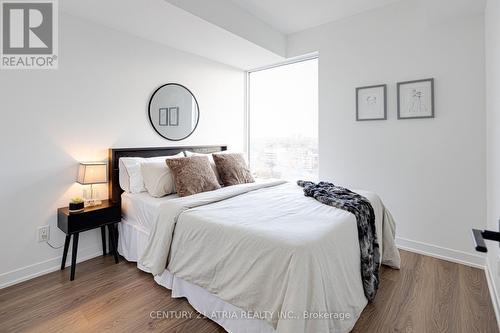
(103, 238)
(65, 253)
(73, 258)
(112, 245)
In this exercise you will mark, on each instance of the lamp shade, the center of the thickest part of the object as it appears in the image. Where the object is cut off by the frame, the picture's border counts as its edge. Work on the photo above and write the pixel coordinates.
(92, 173)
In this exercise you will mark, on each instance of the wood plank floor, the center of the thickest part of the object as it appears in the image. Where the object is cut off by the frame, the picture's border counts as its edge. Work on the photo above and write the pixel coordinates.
(426, 295)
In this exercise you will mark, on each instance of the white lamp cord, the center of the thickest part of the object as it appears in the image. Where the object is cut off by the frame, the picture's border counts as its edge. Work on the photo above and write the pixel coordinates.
(54, 247)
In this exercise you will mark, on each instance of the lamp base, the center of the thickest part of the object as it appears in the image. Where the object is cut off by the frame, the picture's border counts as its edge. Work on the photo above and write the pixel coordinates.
(93, 203)
(89, 195)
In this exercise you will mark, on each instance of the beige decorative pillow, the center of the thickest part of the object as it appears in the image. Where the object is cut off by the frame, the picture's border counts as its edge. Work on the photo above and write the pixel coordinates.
(232, 169)
(192, 175)
(210, 159)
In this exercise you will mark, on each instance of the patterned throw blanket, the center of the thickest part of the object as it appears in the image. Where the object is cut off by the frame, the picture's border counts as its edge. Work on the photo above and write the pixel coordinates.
(342, 198)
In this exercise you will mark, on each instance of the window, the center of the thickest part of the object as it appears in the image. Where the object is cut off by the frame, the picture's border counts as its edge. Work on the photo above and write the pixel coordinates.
(283, 121)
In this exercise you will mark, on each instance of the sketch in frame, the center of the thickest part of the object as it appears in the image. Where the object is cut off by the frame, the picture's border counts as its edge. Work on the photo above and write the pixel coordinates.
(163, 121)
(173, 116)
(416, 99)
(371, 102)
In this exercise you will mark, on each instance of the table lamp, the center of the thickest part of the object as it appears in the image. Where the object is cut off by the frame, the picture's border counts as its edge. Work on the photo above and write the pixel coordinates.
(90, 173)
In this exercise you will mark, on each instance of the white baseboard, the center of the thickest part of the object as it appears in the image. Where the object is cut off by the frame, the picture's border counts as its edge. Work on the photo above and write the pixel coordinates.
(51, 265)
(493, 291)
(460, 257)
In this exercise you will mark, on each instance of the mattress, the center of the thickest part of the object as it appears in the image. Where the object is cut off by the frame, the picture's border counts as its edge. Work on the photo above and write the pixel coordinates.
(138, 212)
(140, 208)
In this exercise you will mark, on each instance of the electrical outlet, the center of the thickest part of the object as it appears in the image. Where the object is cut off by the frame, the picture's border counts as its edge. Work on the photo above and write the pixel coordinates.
(43, 234)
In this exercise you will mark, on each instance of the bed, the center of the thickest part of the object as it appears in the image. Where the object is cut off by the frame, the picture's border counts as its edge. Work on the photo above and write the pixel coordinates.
(258, 257)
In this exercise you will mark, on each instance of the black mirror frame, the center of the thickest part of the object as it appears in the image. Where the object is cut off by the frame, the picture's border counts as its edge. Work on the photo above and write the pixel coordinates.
(151, 120)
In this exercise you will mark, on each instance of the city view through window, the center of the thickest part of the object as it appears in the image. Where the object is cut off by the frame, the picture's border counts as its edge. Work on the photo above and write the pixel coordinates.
(283, 120)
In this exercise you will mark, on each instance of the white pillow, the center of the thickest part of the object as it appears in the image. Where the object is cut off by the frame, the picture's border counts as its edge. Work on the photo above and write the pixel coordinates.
(158, 178)
(130, 175)
(210, 159)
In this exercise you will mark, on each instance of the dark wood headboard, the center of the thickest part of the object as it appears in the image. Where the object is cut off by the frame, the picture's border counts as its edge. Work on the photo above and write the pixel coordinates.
(115, 154)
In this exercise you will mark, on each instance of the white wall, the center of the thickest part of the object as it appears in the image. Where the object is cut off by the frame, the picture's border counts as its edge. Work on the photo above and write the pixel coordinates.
(97, 99)
(431, 172)
(492, 25)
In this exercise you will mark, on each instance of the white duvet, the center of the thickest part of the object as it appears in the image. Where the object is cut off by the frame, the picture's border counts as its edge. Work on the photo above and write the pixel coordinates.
(269, 250)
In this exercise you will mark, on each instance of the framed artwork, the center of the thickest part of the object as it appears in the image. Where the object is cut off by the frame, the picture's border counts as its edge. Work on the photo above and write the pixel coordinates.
(371, 103)
(169, 116)
(416, 99)
(173, 116)
(163, 121)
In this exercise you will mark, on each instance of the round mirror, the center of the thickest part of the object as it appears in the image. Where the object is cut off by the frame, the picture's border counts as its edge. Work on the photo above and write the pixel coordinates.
(173, 111)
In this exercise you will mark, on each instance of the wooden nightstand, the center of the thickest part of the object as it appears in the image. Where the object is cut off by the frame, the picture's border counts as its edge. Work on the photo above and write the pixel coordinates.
(106, 214)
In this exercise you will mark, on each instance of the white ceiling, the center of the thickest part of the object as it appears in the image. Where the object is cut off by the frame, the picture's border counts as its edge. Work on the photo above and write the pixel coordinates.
(231, 17)
(289, 16)
(162, 22)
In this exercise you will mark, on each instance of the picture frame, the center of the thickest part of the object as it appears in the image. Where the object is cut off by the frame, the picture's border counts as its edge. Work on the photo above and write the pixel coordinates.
(168, 116)
(371, 102)
(173, 116)
(416, 99)
(163, 117)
